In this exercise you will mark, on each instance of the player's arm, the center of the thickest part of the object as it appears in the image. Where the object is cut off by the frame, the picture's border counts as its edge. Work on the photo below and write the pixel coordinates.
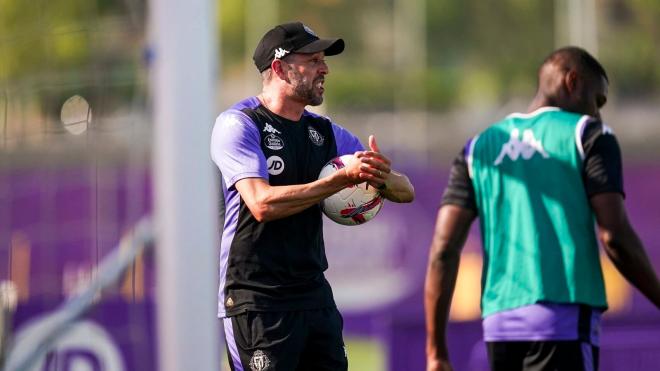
(454, 219)
(376, 169)
(397, 188)
(604, 185)
(451, 231)
(267, 203)
(236, 149)
(623, 246)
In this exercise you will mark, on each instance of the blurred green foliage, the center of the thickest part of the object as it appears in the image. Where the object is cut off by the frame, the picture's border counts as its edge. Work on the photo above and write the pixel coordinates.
(477, 52)
(474, 51)
(52, 49)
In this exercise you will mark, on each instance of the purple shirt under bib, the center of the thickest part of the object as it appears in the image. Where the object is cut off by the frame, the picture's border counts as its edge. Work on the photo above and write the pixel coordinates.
(540, 322)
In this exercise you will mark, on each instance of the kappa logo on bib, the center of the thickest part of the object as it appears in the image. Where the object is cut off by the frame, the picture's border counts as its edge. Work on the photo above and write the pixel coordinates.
(275, 165)
(525, 148)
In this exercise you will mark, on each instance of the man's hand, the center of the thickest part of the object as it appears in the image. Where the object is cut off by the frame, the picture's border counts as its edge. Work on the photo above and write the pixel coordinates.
(377, 171)
(353, 169)
(375, 167)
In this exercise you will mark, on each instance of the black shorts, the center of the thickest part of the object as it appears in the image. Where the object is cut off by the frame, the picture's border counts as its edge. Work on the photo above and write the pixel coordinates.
(542, 356)
(309, 340)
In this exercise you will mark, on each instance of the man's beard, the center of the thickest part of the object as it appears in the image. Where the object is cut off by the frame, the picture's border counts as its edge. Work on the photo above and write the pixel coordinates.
(304, 91)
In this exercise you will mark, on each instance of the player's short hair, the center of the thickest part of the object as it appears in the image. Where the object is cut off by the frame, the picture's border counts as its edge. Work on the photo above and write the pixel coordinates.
(576, 57)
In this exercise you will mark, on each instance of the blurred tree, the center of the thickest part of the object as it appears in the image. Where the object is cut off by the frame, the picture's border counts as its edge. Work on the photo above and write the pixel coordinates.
(478, 51)
(629, 37)
(52, 49)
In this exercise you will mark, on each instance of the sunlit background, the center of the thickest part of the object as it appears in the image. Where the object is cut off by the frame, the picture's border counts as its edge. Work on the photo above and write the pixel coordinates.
(76, 138)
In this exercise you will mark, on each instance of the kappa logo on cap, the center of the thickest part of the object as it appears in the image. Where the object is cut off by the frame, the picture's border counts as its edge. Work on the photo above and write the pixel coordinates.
(280, 53)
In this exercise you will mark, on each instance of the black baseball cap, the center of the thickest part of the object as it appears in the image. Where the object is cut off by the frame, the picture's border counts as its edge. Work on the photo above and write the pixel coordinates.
(292, 37)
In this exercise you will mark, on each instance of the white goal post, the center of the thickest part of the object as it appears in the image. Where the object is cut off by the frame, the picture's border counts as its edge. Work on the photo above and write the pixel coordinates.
(183, 40)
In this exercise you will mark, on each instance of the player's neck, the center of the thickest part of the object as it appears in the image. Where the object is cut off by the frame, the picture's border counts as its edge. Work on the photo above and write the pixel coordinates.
(539, 101)
(281, 105)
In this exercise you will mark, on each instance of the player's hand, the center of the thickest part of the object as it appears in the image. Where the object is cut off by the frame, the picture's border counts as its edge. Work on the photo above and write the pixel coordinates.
(353, 169)
(375, 166)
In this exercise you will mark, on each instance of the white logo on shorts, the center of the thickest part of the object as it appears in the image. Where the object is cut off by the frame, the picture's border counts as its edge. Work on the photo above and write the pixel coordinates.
(275, 165)
(259, 361)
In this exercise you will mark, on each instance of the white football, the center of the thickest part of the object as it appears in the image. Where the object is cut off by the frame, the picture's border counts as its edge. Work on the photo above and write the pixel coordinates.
(355, 204)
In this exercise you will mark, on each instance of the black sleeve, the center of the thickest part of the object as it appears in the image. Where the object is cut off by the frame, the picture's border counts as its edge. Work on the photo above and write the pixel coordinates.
(602, 171)
(460, 190)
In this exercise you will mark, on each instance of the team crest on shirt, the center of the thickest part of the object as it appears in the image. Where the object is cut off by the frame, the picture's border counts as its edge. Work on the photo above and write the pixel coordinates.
(259, 361)
(316, 137)
(273, 142)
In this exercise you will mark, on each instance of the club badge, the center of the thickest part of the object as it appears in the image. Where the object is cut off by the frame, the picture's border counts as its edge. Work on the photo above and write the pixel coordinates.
(259, 361)
(316, 137)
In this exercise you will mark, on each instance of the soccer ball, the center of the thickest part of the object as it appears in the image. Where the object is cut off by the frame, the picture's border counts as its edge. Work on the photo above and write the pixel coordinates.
(355, 204)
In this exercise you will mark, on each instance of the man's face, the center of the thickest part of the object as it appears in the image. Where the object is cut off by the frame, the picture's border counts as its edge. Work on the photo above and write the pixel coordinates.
(306, 76)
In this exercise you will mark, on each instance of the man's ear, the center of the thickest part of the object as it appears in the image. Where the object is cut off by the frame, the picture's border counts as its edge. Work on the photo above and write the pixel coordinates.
(278, 68)
(571, 81)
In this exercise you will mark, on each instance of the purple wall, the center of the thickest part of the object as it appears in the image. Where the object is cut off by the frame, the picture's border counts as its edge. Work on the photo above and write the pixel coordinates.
(69, 219)
(55, 226)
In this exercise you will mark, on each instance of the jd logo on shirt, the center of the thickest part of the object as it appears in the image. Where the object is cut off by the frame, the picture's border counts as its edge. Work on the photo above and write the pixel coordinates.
(275, 165)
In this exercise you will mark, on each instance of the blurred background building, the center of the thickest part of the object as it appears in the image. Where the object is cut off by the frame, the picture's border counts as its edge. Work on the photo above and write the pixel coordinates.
(76, 138)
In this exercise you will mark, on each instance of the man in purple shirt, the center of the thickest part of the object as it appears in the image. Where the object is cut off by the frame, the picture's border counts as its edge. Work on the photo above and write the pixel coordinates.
(277, 308)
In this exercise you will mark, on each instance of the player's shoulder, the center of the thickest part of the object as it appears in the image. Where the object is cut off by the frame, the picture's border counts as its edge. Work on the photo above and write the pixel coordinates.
(237, 115)
(317, 118)
(345, 140)
(593, 128)
(324, 123)
(594, 124)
